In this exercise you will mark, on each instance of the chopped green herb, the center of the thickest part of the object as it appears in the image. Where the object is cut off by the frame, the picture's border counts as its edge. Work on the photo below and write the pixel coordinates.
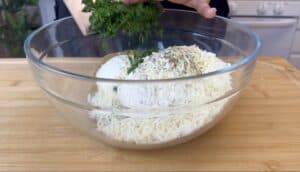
(109, 17)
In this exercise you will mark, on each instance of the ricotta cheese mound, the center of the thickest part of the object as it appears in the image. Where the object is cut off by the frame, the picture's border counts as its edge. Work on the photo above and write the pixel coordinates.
(115, 68)
(160, 111)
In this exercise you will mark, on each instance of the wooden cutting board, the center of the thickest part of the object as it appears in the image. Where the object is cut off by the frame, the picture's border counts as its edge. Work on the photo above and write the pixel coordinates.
(261, 133)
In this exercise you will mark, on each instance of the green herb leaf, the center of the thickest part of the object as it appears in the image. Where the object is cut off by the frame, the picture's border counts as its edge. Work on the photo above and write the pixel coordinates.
(137, 58)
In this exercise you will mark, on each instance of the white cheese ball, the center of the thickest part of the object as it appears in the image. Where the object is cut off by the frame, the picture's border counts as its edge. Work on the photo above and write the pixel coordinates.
(115, 68)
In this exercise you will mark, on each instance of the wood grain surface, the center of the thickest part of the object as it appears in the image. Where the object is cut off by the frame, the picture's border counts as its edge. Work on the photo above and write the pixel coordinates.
(261, 133)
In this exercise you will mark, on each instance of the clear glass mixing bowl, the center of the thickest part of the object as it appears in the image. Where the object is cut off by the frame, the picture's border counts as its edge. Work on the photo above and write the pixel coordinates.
(64, 63)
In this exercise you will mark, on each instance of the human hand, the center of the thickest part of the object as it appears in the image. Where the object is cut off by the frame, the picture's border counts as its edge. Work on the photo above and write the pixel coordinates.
(202, 6)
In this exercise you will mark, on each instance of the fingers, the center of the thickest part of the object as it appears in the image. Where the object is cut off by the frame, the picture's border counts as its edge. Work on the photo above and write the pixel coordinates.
(207, 12)
(203, 8)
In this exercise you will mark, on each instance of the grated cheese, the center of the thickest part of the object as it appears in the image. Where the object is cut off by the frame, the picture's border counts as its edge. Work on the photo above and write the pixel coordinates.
(149, 123)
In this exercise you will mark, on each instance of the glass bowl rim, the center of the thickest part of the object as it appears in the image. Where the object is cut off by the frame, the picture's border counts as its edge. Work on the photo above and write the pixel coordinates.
(247, 59)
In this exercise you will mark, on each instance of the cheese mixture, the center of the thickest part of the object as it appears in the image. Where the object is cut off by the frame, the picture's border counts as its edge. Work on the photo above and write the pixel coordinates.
(159, 112)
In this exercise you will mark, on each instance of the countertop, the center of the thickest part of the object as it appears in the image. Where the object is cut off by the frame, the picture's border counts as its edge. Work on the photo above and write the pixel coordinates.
(261, 133)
